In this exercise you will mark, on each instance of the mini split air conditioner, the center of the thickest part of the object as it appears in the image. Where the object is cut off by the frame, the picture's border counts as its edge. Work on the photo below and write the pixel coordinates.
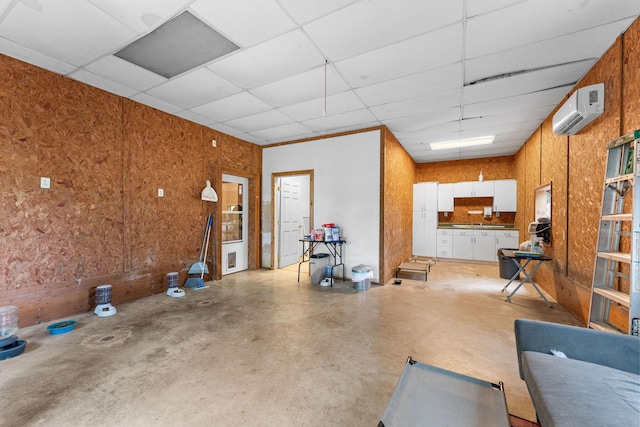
(582, 107)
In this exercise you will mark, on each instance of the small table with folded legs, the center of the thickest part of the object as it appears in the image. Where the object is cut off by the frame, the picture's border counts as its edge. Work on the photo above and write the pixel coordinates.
(517, 257)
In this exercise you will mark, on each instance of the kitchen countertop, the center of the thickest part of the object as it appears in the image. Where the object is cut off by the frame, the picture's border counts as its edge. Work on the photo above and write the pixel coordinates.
(477, 226)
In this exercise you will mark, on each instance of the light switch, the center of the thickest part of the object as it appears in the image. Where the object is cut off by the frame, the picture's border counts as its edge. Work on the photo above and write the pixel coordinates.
(160, 192)
(213, 143)
(45, 182)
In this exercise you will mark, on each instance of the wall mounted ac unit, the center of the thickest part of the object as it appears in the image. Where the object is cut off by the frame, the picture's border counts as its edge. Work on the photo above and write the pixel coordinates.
(582, 107)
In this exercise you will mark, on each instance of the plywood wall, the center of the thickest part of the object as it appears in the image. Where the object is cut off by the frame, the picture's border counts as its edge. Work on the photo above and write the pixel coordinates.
(101, 222)
(398, 176)
(575, 166)
(466, 170)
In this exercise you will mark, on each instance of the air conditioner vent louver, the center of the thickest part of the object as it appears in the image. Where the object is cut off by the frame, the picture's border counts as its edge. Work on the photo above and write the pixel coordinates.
(582, 107)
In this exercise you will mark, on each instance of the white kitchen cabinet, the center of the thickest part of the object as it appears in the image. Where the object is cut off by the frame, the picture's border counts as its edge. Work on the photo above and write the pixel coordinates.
(444, 244)
(425, 197)
(445, 197)
(473, 189)
(477, 245)
(425, 225)
(507, 239)
(505, 195)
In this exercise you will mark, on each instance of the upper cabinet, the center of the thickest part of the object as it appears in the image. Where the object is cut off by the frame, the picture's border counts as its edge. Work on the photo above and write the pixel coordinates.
(473, 189)
(505, 195)
(425, 197)
(445, 197)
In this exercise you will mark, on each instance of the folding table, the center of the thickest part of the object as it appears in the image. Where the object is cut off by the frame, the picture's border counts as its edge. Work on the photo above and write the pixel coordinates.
(528, 257)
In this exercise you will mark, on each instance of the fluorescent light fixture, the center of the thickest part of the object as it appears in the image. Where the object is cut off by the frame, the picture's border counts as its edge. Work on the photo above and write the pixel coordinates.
(483, 140)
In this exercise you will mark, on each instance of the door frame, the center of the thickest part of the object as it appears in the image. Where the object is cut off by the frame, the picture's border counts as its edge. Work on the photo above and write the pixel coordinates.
(245, 181)
(274, 212)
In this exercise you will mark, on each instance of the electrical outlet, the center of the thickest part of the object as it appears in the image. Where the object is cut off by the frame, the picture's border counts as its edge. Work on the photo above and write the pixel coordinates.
(160, 192)
(45, 182)
(213, 143)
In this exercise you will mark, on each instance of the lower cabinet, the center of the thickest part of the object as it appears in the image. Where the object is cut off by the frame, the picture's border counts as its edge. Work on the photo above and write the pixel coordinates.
(507, 239)
(477, 245)
(444, 243)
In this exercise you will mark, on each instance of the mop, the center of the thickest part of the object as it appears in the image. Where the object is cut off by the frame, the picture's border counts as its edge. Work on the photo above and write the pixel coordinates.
(200, 267)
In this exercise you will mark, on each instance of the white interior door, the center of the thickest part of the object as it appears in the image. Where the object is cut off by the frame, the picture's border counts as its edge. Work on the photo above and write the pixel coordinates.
(235, 226)
(289, 222)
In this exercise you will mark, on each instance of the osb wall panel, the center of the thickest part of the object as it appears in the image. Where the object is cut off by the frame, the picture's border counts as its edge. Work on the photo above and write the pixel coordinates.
(163, 152)
(520, 161)
(466, 170)
(462, 206)
(587, 156)
(532, 176)
(631, 79)
(54, 127)
(398, 176)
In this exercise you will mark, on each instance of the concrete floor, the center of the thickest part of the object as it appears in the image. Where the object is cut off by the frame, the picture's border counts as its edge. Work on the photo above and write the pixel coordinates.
(260, 349)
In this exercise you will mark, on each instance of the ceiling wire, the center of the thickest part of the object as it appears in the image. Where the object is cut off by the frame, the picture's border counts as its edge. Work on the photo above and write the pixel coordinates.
(324, 111)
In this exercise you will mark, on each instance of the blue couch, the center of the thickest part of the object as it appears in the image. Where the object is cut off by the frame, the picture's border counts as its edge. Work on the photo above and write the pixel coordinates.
(597, 384)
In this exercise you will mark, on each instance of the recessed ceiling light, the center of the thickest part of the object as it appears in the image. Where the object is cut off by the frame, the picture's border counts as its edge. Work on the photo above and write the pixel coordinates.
(178, 45)
(483, 140)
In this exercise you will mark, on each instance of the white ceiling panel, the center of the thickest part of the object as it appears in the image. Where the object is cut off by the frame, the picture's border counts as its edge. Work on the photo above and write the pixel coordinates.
(420, 105)
(304, 11)
(274, 60)
(156, 103)
(420, 122)
(541, 20)
(265, 120)
(244, 21)
(140, 15)
(368, 25)
(195, 88)
(562, 50)
(338, 121)
(125, 73)
(495, 121)
(417, 85)
(551, 97)
(301, 87)
(221, 127)
(72, 31)
(281, 133)
(193, 117)
(335, 104)
(235, 106)
(102, 83)
(525, 83)
(478, 7)
(25, 54)
(425, 52)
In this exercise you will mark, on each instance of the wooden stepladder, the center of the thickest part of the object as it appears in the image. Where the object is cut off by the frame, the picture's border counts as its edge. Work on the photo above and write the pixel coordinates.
(615, 294)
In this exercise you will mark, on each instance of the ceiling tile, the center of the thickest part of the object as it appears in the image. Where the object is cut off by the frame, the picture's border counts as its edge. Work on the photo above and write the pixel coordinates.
(194, 88)
(265, 120)
(338, 121)
(478, 7)
(551, 97)
(25, 54)
(102, 83)
(193, 117)
(545, 19)
(60, 29)
(285, 132)
(495, 121)
(220, 127)
(561, 50)
(301, 87)
(420, 122)
(425, 52)
(525, 83)
(304, 11)
(239, 105)
(125, 73)
(141, 15)
(156, 103)
(246, 22)
(417, 85)
(276, 59)
(420, 105)
(368, 25)
(336, 104)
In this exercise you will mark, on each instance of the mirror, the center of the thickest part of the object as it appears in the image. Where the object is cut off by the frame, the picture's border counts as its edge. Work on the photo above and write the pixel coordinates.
(543, 212)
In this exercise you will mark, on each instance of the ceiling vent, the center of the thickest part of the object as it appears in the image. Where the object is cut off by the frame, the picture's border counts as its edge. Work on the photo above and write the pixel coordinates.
(178, 45)
(582, 107)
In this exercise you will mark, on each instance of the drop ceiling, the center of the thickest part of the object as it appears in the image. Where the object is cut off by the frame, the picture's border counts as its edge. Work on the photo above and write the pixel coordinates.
(430, 70)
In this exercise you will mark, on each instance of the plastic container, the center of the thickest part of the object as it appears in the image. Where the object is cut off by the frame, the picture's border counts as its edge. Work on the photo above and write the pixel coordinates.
(361, 276)
(318, 263)
(507, 267)
(63, 327)
(8, 321)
